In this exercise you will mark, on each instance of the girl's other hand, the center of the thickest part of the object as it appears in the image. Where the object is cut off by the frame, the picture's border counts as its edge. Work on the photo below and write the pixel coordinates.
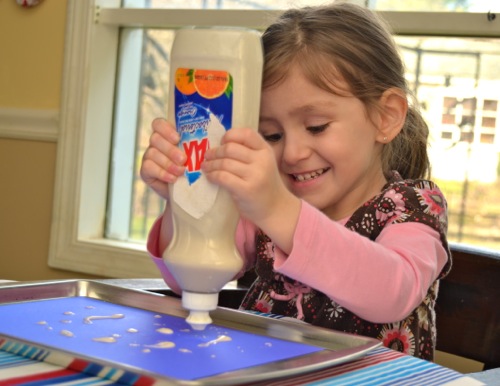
(245, 165)
(163, 161)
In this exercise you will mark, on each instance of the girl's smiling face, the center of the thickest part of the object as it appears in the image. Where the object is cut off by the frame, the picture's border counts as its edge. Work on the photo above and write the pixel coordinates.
(326, 146)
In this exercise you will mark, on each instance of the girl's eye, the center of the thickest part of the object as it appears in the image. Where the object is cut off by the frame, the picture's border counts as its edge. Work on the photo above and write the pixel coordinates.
(272, 137)
(317, 129)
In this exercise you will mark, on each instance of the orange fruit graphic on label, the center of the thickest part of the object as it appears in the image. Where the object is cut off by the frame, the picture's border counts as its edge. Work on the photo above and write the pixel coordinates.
(211, 84)
(184, 81)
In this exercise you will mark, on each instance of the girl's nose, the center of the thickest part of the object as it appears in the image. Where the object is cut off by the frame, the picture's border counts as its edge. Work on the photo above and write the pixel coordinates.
(295, 149)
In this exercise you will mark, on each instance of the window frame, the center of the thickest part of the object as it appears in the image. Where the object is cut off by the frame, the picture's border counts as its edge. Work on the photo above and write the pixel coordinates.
(86, 118)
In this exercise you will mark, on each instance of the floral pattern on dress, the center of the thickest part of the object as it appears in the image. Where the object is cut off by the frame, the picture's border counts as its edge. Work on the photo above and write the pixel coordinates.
(400, 201)
(335, 311)
(390, 205)
(263, 306)
(294, 291)
(398, 337)
(433, 202)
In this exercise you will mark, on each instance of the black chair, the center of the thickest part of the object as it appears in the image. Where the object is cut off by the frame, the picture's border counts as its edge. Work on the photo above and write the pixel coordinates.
(468, 306)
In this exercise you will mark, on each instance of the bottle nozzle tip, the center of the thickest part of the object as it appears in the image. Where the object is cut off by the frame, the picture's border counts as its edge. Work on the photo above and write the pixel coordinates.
(198, 320)
(199, 305)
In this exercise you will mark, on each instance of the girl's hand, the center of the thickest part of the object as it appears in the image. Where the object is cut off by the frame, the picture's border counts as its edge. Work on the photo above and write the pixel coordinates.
(245, 165)
(163, 161)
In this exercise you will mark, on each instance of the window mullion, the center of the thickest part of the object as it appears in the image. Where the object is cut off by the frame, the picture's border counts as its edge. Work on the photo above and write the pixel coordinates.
(124, 134)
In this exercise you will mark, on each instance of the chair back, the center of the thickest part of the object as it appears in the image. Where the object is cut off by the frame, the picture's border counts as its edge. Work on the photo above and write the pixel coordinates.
(468, 306)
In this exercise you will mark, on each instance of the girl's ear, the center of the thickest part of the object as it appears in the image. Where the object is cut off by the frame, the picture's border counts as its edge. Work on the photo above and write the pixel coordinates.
(392, 115)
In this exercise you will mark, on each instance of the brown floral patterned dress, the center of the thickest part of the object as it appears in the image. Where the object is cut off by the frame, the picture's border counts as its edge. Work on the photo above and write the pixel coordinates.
(400, 201)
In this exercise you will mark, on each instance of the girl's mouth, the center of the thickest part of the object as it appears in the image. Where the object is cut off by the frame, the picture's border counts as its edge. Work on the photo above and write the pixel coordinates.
(309, 176)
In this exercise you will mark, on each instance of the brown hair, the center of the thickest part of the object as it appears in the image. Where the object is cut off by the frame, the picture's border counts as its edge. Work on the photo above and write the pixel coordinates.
(347, 42)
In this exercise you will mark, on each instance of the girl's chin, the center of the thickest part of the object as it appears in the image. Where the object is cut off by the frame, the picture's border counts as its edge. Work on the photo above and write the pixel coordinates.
(311, 196)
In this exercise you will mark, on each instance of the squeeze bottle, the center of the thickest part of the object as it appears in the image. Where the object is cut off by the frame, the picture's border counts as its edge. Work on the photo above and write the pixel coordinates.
(215, 84)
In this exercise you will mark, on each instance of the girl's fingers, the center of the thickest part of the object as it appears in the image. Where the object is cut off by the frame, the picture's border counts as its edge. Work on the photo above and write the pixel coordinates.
(167, 148)
(158, 170)
(165, 139)
(245, 136)
(216, 169)
(160, 186)
(230, 150)
(151, 172)
(165, 129)
(162, 162)
(242, 153)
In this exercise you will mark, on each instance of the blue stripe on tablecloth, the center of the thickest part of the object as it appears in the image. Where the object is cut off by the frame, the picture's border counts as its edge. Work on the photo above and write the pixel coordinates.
(128, 378)
(31, 352)
(266, 314)
(99, 382)
(24, 350)
(104, 372)
(93, 368)
(401, 371)
(365, 376)
(434, 377)
(56, 380)
(80, 379)
(41, 356)
(11, 360)
(426, 372)
(95, 381)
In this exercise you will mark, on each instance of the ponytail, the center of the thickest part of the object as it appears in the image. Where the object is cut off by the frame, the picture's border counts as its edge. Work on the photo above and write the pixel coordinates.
(407, 152)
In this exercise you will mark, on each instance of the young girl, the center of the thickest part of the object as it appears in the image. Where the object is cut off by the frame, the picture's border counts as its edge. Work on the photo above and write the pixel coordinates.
(336, 219)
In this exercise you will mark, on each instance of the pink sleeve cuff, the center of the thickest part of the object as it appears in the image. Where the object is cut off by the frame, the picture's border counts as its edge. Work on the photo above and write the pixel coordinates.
(153, 238)
(153, 250)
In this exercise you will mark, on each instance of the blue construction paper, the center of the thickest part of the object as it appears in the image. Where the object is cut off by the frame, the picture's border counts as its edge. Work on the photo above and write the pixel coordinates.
(134, 337)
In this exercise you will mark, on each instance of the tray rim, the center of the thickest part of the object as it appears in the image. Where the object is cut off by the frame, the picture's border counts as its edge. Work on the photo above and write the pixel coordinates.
(354, 346)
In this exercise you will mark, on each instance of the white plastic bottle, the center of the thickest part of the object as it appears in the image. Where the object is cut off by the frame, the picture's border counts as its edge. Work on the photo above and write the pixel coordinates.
(215, 85)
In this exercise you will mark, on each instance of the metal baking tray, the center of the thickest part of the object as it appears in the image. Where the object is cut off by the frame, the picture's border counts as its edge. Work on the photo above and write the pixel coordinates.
(145, 333)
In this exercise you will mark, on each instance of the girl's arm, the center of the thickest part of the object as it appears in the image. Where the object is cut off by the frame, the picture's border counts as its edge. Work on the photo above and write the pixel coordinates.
(381, 281)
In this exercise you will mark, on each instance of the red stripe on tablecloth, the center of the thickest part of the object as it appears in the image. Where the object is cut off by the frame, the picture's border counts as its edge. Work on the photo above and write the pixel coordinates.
(78, 365)
(144, 381)
(37, 377)
(363, 363)
(81, 367)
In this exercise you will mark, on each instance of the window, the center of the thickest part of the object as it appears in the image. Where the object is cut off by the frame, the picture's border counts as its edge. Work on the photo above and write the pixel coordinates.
(116, 68)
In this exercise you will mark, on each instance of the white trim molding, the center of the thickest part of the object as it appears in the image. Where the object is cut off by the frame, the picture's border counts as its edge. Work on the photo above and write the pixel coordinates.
(27, 124)
(82, 169)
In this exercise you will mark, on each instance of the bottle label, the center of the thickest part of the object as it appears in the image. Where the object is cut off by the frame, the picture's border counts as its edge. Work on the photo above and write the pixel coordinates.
(203, 105)
(203, 112)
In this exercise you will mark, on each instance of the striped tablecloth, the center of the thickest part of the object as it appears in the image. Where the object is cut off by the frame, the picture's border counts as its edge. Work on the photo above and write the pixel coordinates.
(29, 366)
(381, 366)
(26, 365)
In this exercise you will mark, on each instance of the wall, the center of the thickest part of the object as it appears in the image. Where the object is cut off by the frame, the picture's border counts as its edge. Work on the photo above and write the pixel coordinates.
(31, 62)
